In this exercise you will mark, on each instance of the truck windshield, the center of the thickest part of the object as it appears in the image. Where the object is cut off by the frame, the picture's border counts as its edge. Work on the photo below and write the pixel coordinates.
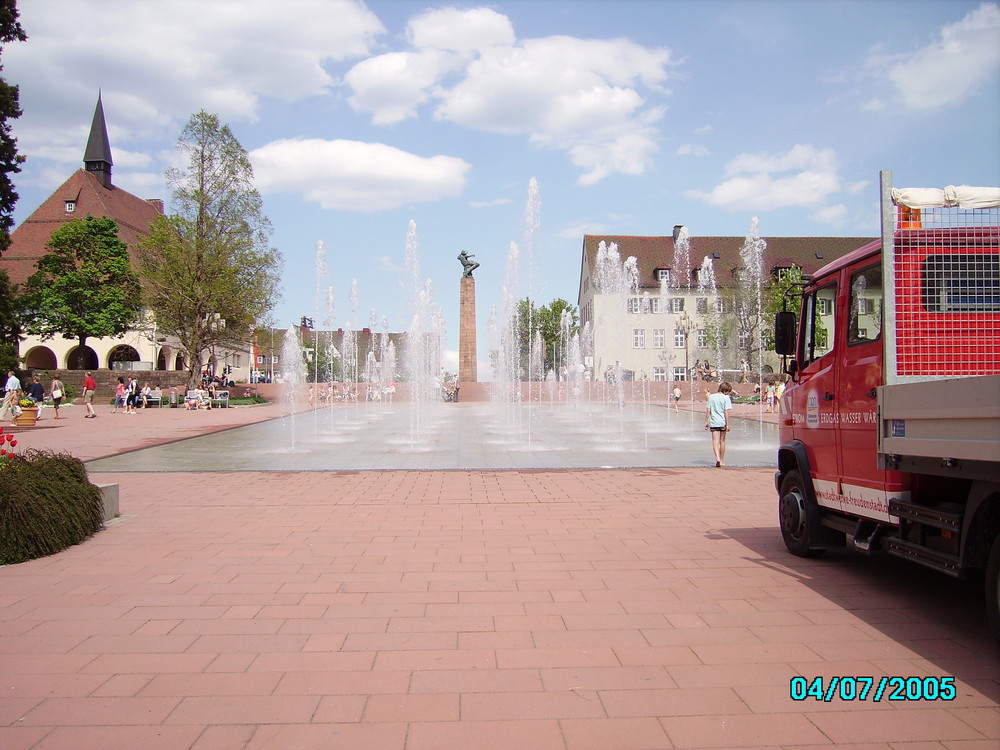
(818, 323)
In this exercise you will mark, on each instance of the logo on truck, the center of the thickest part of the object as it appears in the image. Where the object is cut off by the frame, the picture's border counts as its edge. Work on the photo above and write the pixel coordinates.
(812, 410)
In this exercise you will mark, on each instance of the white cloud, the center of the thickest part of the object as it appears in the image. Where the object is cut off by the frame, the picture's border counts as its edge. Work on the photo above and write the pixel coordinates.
(487, 204)
(165, 64)
(803, 176)
(354, 176)
(460, 30)
(831, 214)
(577, 231)
(959, 64)
(692, 149)
(586, 97)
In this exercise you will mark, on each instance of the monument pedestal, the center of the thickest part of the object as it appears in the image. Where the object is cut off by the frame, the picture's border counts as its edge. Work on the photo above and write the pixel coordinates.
(467, 360)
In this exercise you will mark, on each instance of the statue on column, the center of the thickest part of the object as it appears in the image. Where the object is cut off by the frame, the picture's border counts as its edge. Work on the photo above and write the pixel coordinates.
(468, 265)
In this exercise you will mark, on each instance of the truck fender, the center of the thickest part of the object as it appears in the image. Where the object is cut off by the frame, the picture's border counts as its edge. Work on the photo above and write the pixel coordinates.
(792, 456)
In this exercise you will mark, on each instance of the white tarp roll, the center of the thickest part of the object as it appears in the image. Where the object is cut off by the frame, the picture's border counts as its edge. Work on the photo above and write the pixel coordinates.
(962, 196)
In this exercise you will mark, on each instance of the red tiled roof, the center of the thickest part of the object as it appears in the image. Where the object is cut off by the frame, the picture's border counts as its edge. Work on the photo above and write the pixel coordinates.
(29, 241)
(652, 253)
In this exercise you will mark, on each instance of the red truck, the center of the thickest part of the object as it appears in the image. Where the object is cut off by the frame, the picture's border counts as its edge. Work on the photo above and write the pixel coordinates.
(890, 423)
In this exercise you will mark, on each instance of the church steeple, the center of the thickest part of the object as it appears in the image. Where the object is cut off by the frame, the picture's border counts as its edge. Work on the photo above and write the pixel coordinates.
(97, 157)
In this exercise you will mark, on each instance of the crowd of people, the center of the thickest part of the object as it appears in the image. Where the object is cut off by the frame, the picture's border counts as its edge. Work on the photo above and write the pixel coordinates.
(16, 397)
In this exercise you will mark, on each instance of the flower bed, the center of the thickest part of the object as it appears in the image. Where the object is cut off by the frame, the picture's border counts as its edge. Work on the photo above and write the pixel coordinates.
(47, 503)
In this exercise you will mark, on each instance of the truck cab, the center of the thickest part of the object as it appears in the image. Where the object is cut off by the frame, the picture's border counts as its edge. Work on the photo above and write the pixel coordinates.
(890, 424)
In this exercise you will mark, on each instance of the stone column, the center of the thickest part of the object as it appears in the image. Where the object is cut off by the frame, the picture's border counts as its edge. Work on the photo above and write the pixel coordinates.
(467, 331)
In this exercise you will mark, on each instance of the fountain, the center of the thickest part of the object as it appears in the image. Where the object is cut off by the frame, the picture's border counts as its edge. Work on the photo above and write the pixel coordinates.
(573, 412)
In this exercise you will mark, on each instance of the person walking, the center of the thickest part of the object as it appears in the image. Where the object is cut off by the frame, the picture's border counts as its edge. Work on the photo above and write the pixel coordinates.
(89, 387)
(9, 407)
(676, 397)
(717, 420)
(13, 384)
(119, 395)
(131, 395)
(57, 390)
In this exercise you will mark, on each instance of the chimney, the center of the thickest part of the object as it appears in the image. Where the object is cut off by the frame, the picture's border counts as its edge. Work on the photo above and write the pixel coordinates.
(156, 203)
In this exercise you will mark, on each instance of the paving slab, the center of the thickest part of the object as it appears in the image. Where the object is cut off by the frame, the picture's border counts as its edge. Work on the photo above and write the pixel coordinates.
(648, 607)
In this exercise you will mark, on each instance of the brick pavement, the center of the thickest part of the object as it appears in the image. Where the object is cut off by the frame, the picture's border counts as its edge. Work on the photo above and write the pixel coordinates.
(573, 610)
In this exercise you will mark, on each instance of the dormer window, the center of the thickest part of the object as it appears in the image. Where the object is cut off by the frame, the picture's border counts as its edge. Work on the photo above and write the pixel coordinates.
(70, 206)
(663, 274)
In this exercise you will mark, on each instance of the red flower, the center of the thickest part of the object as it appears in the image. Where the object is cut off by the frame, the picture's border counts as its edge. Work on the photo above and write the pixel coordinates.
(13, 443)
(9, 438)
(3, 451)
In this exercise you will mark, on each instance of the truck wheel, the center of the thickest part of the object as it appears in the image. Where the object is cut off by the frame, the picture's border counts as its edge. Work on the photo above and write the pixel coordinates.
(794, 516)
(993, 588)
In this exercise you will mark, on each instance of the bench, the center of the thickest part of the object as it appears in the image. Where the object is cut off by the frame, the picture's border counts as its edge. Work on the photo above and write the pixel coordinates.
(156, 396)
(221, 399)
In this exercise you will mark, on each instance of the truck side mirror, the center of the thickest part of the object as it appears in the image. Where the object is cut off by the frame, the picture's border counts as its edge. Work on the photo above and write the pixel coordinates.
(784, 333)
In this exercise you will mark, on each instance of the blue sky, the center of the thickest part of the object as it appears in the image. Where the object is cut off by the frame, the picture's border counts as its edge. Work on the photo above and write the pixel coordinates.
(631, 115)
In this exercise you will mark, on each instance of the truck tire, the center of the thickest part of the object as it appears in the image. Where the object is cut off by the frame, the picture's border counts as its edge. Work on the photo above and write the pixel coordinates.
(794, 516)
(993, 588)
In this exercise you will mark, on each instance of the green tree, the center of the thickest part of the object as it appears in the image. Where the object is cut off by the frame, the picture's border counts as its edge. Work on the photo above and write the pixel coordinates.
(84, 287)
(549, 322)
(10, 323)
(10, 159)
(208, 271)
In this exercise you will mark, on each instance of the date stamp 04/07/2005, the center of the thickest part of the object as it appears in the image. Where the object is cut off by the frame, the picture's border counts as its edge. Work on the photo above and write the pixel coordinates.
(874, 689)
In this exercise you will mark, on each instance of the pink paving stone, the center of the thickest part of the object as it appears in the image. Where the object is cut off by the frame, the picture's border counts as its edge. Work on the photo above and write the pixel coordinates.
(417, 708)
(107, 737)
(343, 736)
(486, 735)
(341, 555)
(894, 725)
(570, 704)
(621, 734)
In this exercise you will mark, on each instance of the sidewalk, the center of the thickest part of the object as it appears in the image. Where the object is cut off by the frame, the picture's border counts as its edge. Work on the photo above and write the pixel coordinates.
(418, 610)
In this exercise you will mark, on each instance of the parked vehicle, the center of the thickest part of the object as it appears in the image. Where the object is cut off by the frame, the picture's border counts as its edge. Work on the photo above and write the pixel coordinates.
(890, 426)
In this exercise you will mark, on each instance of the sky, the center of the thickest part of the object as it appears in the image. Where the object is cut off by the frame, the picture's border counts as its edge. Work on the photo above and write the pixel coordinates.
(511, 129)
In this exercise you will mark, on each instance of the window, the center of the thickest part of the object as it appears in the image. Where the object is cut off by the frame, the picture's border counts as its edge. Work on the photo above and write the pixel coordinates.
(678, 339)
(677, 304)
(864, 323)
(654, 305)
(659, 338)
(275, 359)
(680, 373)
(744, 340)
(720, 306)
(634, 304)
(817, 332)
(663, 274)
(659, 374)
(638, 338)
(702, 335)
(701, 305)
(825, 306)
(962, 282)
(70, 206)
(261, 359)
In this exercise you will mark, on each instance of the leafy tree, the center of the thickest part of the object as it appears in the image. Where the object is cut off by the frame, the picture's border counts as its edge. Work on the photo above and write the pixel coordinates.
(547, 322)
(10, 160)
(85, 286)
(208, 271)
(10, 324)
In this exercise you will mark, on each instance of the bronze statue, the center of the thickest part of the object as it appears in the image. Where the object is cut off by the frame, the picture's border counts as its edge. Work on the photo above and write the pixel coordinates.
(468, 266)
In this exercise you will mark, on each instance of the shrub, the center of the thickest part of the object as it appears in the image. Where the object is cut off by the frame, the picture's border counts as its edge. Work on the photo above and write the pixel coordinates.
(246, 400)
(46, 505)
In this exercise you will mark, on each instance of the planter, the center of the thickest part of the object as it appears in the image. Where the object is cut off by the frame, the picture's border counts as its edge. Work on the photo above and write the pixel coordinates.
(27, 417)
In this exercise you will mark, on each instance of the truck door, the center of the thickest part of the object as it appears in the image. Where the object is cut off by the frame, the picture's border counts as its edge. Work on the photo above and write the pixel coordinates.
(818, 381)
(863, 484)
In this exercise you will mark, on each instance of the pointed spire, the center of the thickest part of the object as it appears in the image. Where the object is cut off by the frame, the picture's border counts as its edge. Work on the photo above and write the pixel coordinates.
(97, 157)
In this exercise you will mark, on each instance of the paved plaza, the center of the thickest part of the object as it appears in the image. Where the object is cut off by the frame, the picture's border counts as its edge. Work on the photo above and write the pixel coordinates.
(239, 604)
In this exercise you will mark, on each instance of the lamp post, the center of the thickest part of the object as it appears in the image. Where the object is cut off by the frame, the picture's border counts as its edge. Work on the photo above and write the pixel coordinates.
(684, 325)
